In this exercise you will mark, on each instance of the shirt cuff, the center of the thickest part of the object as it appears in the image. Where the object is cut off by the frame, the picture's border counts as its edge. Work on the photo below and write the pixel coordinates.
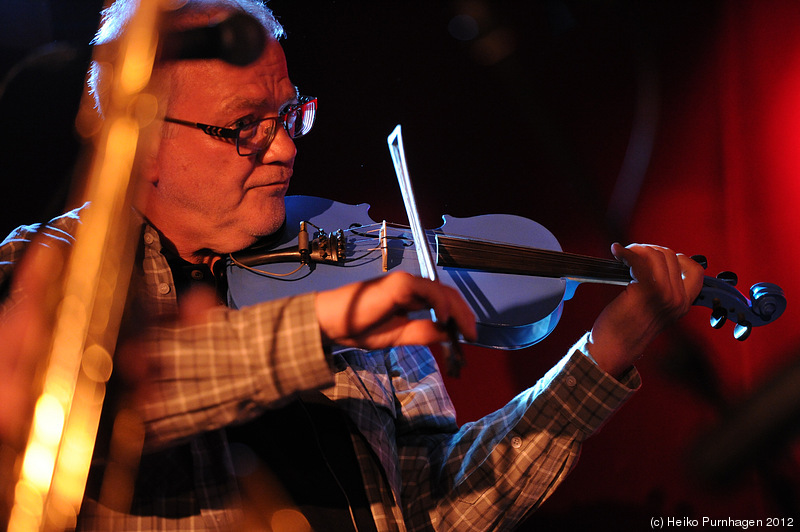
(294, 352)
(312, 361)
(590, 394)
(582, 345)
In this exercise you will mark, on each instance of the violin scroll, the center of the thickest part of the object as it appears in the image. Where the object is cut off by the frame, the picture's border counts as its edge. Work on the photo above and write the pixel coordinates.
(767, 302)
(768, 299)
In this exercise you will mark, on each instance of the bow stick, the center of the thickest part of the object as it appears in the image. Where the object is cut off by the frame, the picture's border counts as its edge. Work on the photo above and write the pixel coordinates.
(427, 266)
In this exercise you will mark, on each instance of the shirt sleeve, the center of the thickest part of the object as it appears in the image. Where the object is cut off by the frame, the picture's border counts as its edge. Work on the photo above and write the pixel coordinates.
(54, 234)
(230, 367)
(223, 370)
(491, 473)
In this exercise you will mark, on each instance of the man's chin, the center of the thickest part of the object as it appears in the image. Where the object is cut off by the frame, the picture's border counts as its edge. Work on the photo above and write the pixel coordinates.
(258, 224)
(264, 230)
(244, 241)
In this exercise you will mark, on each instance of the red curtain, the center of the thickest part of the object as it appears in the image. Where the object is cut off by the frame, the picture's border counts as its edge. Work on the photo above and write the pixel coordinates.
(724, 181)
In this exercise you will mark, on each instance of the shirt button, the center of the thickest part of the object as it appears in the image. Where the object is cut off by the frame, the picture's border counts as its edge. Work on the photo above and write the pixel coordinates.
(163, 288)
(516, 442)
(197, 275)
(571, 381)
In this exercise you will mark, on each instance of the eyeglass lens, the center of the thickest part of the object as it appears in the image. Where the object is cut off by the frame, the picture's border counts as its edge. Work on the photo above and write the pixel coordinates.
(297, 120)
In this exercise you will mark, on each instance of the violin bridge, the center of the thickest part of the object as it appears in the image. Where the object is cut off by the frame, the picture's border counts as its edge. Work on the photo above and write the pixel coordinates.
(384, 247)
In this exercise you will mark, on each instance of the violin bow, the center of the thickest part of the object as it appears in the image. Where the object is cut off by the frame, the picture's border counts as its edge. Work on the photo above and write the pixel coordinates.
(427, 266)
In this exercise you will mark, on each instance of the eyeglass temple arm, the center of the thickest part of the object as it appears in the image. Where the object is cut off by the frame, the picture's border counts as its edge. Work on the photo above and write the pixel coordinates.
(215, 131)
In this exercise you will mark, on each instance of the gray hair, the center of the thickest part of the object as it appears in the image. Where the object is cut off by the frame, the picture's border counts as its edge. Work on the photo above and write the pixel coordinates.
(115, 18)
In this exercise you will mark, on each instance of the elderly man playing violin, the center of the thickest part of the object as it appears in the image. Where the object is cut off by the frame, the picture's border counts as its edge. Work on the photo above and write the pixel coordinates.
(362, 438)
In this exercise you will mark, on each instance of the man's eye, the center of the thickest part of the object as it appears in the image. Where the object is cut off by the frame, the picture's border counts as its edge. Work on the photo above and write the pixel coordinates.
(243, 122)
(287, 108)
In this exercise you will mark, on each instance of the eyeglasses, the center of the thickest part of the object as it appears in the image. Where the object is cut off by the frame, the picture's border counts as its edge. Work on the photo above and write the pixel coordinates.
(256, 136)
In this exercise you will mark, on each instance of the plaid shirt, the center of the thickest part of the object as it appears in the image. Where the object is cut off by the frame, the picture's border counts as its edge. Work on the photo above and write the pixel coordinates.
(420, 470)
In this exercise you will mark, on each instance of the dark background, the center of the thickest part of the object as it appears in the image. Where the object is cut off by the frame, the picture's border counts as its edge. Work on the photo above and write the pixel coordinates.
(662, 121)
(533, 111)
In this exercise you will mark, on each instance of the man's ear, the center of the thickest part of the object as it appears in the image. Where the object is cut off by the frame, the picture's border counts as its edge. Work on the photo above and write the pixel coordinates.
(150, 139)
(149, 169)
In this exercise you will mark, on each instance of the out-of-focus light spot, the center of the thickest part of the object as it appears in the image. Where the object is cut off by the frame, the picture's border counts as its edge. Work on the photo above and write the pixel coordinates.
(49, 420)
(463, 27)
(245, 461)
(494, 47)
(145, 108)
(22, 520)
(29, 498)
(97, 363)
(138, 57)
(38, 466)
(128, 436)
(289, 520)
(61, 515)
(173, 5)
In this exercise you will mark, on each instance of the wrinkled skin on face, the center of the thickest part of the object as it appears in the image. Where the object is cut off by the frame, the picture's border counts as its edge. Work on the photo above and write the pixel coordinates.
(200, 194)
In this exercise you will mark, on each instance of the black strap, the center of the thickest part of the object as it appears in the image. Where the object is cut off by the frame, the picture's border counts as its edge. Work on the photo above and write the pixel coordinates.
(307, 445)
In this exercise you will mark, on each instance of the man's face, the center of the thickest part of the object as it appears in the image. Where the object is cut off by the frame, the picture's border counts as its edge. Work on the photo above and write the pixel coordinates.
(201, 194)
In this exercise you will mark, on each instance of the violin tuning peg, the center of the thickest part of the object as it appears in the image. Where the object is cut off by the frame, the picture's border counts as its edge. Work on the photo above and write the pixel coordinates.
(742, 330)
(701, 260)
(728, 277)
(718, 317)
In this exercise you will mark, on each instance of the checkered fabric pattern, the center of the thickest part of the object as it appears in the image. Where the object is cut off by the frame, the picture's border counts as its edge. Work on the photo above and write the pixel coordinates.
(421, 471)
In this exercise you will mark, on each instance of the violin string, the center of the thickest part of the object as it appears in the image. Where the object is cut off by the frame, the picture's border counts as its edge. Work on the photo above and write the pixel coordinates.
(500, 252)
(542, 262)
(549, 256)
(557, 260)
(557, 257)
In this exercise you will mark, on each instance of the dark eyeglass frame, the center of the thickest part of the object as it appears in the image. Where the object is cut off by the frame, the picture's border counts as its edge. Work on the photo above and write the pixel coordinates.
(305, 106)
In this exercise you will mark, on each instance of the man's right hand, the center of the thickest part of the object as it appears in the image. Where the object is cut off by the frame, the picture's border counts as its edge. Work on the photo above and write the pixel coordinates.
(374, 314)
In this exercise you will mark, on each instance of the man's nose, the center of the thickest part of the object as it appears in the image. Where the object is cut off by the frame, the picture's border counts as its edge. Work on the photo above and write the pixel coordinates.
(281, 150)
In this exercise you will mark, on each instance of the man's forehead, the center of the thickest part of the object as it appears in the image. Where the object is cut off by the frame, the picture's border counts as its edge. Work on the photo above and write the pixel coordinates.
(239, 102)
(264, 84)
(198, 17)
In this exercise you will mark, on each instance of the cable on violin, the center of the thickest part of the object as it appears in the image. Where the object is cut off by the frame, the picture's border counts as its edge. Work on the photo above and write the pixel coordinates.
(261, 272)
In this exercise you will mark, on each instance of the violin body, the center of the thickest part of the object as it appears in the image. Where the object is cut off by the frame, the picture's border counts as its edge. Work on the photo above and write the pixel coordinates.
(512, 311)
(510, 270)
